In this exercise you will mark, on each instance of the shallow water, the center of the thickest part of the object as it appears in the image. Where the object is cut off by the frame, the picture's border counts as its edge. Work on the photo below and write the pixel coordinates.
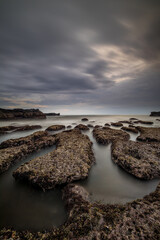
(23, 207)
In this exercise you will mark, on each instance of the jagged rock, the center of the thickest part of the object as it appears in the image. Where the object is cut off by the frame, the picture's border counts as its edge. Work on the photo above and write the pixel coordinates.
(69, 162)
(143, 122)
(130, 129)
(82, 127)
(107, 135)
(84, 119)
(14, 150)
(155, 114)
(149, 134)
(55, 128)
(139, 159)
(7, 129)
(117, 124)
(19, 113)
(139, 219)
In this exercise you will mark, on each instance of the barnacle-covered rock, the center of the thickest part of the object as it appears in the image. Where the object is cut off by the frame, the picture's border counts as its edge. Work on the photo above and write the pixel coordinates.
(130, 129)
(139, 219)
(107, 135)
(117, 124)
(143, 122)
(14, 150)
(149, 134)
(55, 127)
(140, 159)
(82, 127)
(7, 129)
(69, 162)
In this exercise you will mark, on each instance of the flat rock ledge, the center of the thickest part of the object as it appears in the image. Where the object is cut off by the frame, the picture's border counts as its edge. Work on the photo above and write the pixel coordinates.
(7, 129)
(130, 129)
(117, 124)
(14, 150)
(149, 134)
(82, 127)
(143, 122)
(137, 158)
(139, 219)
(55, 128)
(71, 161)
(108, 135)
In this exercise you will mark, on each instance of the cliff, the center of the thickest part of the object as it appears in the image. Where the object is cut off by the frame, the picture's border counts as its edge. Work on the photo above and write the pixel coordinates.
(155, 114)
(18, 113)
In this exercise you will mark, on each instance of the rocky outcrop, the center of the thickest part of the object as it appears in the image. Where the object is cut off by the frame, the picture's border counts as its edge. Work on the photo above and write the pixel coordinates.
(143, 122)
(55, 128)
(155, 114)
(130, 129)
(14, 150)
(82, 127)
(139, 219)
(108, 135)
(84, 119)
(106, 124)
(132, 119)
(149, 134)
(18, 113)
(117, 124)
(69, 162)
(52, 114)
(90, 125)
(7, 129)
(139, 159)
(125, 121)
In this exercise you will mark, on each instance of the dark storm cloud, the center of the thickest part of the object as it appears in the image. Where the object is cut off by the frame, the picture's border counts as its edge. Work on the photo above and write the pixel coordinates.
(79, 52)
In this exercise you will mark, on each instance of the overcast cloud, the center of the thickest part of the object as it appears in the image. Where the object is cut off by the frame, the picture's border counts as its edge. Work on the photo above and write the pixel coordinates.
(80, 56)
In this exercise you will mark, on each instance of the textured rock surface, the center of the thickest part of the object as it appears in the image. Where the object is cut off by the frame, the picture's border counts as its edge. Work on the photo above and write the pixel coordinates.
(7, 129)
(19, 113)
(130, 129)
(149, 134)
(15, 149)
(139, 219)
(90, 125)
(70, 161)
(140, 159)
(117, 124)
(82, 127)
(107, 135)
(143, 122)
(55, 127)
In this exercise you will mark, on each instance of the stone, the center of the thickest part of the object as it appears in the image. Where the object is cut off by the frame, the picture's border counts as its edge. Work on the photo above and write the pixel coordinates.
(117, 124)
(90, 125)
(84, 119)
(14, 150)
(107, 124)
(107, 135)
(82, 127)
(139, 159)
(143, 122)
(149, 134)
(55, 128)
(71, 161)
(155, 114)
(7, 129)
(130, 129)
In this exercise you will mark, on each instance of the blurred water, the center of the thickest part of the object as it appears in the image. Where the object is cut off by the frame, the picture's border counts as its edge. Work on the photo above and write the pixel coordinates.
(23, 207)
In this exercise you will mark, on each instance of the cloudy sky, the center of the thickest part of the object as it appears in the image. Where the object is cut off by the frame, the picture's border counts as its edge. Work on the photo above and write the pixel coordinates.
(80, 56)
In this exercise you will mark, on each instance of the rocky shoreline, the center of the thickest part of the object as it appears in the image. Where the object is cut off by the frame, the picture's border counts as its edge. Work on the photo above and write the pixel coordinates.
(139, 219)
(14, 150)
(8, 129)
(71, 161)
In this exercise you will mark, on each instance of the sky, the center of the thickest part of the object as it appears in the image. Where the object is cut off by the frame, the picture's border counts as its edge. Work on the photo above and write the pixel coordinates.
(80, 56)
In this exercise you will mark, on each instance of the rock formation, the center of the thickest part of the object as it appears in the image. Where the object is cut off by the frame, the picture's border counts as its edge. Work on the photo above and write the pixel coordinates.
(155, 114)
(69, 162)
(149, 134)
(130, 129)
(18, 113)
(82, 127)
(55, 128)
